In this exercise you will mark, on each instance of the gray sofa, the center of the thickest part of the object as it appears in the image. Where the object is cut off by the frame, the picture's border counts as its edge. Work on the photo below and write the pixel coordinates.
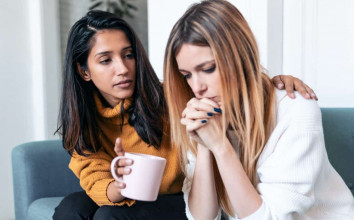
(41, 177)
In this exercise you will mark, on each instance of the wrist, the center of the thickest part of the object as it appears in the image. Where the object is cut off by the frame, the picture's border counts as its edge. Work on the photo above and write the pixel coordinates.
(203, 149)
(113, 192)
(204, 153)
(223, 148)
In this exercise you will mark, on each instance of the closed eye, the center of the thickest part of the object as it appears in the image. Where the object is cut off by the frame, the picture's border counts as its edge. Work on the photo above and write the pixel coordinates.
(210, 70)
(105, 61)
(129, 56)
(186, 76)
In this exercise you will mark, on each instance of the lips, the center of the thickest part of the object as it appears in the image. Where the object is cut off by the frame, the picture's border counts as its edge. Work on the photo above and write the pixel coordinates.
(215, 99)
(124, 83)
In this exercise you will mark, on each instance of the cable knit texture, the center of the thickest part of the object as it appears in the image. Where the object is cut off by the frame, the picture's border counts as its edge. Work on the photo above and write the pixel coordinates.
(94, 171)
(296, 179)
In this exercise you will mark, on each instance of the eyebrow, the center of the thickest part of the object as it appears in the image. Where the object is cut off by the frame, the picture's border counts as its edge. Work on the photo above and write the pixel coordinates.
(109, 51)
(199, 66)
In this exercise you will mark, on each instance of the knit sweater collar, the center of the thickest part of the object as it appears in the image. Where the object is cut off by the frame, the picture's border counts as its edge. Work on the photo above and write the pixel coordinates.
(113, 113)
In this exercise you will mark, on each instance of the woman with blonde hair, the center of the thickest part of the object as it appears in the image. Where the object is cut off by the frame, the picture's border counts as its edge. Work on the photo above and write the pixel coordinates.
(246, 148)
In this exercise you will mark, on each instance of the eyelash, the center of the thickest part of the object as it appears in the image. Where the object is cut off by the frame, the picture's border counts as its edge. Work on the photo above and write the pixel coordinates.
(127, 56)
(187, 76)
(210, 70)
(106, 61)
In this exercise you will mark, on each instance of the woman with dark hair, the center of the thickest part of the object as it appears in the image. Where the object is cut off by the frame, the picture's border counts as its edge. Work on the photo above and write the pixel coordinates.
(112, 102)
(110, 90)
(247, 149)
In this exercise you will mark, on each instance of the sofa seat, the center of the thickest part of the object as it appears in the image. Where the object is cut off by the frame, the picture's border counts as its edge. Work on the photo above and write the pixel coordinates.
(43, 209)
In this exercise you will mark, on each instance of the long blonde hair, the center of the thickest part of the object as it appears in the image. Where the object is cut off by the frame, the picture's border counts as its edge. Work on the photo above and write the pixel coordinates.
(247, 94)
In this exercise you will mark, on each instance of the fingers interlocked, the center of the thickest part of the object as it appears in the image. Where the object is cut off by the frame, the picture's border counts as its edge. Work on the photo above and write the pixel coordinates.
(196, 115)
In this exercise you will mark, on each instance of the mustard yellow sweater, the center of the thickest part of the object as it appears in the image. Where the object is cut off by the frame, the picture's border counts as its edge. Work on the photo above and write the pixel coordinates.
(94, 171)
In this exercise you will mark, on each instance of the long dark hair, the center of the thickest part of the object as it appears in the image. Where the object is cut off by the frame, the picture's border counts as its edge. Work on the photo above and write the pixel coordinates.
(77, 118)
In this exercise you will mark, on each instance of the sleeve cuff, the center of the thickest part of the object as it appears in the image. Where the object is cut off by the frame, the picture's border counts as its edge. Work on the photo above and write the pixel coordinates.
(261, 213)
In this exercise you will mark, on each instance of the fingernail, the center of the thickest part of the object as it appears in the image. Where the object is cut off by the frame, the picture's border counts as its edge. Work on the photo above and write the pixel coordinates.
(121, 184)
(204, 121)
(313, 94)
(280, 85)
(210, 114)
(292, 95)
(127, 170)
(129, 161)
(217, 110)
(307, 95)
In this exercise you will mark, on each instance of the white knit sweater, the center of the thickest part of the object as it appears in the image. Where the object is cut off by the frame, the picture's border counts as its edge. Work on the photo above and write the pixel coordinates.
(296, 180)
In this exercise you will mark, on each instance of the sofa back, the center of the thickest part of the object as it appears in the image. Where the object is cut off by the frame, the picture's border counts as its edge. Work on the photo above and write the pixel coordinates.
(40, 169)
(338, 128)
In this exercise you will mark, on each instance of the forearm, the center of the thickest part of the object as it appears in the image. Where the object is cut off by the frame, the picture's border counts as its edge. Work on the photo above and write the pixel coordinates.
(113, 192)
(202, 197)
(243, 196)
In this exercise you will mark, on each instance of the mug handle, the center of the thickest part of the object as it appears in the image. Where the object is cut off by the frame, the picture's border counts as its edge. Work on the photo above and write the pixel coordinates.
(113, 171)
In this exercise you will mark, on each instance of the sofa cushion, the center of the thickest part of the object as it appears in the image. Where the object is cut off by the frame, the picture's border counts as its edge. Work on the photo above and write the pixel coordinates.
(43, 209)
(338, 127)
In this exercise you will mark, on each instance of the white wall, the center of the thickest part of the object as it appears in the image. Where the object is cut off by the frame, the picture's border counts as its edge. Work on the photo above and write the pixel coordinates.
(319, 48)
(15, 96)
(161, 17)
(29, 81)
(310, 39)
(335, 54)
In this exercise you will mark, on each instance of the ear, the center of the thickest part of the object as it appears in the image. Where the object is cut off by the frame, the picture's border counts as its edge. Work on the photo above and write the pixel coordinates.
(85, 75)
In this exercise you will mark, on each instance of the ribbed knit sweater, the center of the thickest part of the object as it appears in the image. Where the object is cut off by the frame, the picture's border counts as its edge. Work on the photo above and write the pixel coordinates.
(94, 170)
(296, 179)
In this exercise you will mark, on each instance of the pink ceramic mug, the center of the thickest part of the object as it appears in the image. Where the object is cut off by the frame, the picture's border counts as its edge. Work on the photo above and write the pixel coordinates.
(143, 182)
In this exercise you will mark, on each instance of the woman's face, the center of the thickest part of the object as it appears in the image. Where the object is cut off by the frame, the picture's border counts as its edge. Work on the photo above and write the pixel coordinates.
(197, 65)
(111, 66)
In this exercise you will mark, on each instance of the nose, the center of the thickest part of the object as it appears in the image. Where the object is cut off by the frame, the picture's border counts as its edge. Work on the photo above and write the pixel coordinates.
(198, 86)
(120, 67)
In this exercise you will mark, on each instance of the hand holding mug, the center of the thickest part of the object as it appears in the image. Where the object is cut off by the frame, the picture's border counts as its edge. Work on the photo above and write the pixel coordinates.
(120, 169)
(142, 178)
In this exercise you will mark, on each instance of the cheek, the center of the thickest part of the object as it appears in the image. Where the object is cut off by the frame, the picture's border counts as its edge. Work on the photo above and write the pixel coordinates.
(132, 65)
(132, 70)
(97, 73)
(99, 82)
(190, 85)
(217, 84)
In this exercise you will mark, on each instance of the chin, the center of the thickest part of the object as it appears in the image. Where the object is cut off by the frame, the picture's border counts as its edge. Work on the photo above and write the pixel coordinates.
(126, 95)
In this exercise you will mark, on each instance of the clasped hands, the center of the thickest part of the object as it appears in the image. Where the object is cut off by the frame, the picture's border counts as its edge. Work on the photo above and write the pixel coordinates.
(203, 121)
